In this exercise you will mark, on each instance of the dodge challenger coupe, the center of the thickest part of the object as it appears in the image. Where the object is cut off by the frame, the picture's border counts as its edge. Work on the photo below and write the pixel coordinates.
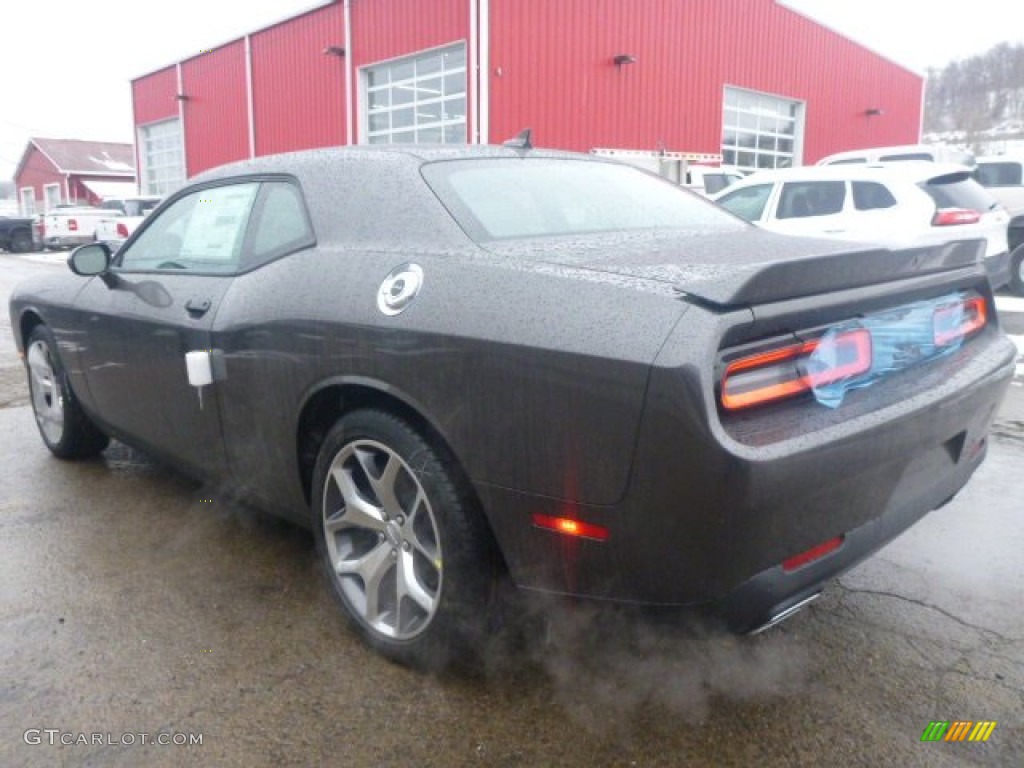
(465, 365)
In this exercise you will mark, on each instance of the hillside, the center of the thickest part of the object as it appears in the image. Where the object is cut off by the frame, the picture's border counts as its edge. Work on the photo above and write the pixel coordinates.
(978, 102)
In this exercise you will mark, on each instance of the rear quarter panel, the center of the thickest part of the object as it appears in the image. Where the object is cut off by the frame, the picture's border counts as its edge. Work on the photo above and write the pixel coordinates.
(535, 378)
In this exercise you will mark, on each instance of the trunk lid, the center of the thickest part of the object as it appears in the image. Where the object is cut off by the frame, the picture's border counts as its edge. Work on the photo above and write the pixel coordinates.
(749, 267)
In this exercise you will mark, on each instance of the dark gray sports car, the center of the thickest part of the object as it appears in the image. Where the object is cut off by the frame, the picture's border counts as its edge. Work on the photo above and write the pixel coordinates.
(465, 365)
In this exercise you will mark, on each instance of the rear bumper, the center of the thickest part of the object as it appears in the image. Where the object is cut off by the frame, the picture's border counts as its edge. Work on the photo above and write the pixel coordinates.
(708, 520)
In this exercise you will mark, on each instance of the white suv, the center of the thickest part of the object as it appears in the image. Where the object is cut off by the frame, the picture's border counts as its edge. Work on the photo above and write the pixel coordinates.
(900, 205)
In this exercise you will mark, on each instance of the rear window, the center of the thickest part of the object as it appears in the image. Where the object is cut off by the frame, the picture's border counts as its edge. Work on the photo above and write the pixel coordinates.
(999, 174)
(907, 156)
(535, 197)
(958, 190)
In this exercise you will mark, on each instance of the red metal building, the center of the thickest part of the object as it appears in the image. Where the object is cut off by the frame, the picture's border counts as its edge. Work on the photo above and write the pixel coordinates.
(751, 80)
(56, 172)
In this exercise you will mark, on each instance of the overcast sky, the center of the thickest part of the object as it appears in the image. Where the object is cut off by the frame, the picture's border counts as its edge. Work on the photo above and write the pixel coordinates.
(65, 65)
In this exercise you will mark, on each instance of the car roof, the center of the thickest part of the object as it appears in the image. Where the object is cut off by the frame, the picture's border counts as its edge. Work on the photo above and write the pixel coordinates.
(905, 170)
(411, 154)
(1015, 158)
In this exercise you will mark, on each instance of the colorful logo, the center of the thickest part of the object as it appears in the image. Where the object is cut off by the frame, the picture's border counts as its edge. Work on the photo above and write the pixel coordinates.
(958, 730)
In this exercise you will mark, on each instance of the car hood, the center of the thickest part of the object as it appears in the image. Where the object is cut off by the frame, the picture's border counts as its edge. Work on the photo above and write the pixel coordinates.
(741, 268)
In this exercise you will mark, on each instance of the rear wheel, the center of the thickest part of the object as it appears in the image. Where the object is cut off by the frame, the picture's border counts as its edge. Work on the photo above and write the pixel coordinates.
(21, 241)
(64, 427)
(1017, 271)
(406, 551)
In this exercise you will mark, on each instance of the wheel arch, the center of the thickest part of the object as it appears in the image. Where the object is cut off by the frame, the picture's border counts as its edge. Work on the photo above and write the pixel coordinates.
(333, 399)
(27, 323)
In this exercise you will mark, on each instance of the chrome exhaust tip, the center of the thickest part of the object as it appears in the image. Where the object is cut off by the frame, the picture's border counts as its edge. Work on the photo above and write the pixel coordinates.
(781, 616)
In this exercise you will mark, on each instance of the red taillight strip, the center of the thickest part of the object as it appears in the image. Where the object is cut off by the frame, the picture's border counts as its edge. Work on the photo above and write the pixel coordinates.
(853, 352)
(949, 217)
(970, 316)
(571, 527)
(812, 554)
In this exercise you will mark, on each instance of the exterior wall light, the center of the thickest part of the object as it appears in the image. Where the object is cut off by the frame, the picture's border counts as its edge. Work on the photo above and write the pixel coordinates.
(334, 50)
(873, 112)
(624, 58)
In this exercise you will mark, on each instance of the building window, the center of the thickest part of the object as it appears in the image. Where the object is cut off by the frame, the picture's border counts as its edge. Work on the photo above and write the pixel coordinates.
(418, 99)
(51, 196)
(760, 130)
(163, 167)
(27, 195)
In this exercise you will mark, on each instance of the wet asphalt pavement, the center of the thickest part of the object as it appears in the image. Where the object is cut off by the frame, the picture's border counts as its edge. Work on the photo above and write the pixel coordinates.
(135, 601)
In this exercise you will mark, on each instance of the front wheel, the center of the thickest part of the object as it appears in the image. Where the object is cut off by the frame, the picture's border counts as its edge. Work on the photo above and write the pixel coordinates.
(1017, 270)
(406, 550)
(64, 427)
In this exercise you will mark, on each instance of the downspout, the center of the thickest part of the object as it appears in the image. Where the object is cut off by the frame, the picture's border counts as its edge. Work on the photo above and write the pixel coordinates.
(67, 189)
(248, 95)
(484, 107)
(474, 74)
(181, 118)
(349, 100)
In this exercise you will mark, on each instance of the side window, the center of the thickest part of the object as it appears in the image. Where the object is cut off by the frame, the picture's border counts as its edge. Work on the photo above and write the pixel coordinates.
(201, 232)
(747, 203)
(870, 196)
(279, 224)
(801, 199)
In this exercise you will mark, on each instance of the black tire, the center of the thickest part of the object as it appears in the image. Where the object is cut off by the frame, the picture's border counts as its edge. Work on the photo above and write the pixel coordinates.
(21, 241)
(1017, 271)
(408, 556)
(64, 427)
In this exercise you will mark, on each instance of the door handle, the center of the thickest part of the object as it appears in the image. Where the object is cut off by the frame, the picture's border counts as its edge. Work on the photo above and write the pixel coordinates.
(197, 307)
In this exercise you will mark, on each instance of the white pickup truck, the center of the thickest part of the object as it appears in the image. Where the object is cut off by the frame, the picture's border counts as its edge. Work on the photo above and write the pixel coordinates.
(1003, 175)
(123, 217)
(64, 227)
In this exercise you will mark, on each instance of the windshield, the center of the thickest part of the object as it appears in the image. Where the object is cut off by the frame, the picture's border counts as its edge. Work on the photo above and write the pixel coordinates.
(532, 197)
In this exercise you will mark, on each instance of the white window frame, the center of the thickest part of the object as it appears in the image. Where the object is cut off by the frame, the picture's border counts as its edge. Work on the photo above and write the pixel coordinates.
(161, 157)
(449, 123)
(48, 189)
(765, 115)
(27, 201)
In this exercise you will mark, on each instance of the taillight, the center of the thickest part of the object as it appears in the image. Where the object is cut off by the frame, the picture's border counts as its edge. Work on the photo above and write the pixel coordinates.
(948, 217)
(790, 371)
(812, 554)
(954, 322)
(73, 225)
(571, 527)
(122, 230)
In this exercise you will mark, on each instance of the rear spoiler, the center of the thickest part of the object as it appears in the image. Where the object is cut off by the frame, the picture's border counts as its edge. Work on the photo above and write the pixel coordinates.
(760, 282)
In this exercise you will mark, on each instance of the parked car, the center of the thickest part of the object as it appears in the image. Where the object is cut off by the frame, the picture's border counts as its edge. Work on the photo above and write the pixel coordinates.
(899, 205)
(1003, 177)
(932, 153)
(67, 226)
(128, 213)
(464, 365)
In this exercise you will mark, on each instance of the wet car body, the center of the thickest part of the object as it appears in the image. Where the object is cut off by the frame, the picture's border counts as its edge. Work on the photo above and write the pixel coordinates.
(573, 377)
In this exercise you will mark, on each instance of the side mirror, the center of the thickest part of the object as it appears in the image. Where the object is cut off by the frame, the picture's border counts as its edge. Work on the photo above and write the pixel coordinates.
(89, 260)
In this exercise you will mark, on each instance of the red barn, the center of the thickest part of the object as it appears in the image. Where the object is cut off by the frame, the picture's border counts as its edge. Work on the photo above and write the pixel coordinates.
(56, 172)
(750, 80)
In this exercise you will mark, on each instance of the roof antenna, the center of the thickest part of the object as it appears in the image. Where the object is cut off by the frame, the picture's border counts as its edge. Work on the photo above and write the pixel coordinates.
(521, 141)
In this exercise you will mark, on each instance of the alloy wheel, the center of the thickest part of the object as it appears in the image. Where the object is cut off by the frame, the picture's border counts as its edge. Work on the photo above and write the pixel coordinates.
(382, 540)
(47, 398)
